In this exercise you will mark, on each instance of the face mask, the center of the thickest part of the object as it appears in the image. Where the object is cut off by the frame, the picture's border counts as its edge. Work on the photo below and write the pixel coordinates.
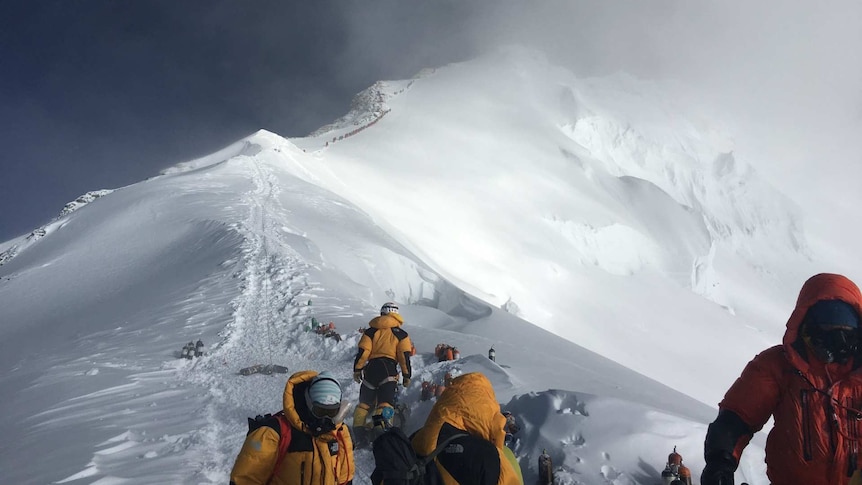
(833, 345)
(324, 420)
(319, 426)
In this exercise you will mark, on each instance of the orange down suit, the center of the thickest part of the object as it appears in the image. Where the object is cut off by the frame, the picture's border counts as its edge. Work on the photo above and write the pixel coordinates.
(817, 429)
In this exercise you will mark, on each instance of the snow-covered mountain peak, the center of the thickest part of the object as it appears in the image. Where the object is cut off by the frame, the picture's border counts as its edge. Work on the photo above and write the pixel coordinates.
(528, 186)
(237, 250)
(246, 147)
(613, 215)
(366, 107)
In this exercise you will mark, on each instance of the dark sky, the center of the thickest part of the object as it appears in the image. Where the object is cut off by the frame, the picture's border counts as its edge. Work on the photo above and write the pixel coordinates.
(104, 93)
(100, 94)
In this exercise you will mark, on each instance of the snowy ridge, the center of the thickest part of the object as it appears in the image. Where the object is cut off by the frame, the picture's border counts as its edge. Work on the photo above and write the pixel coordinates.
(527, 186)
(156, 419)
(697, 169)
(366, 107)
(83, 200)
(595, 232)
(242, 147)
(16, 247)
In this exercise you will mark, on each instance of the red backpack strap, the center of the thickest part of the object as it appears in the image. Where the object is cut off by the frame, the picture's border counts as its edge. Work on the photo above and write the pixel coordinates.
(283, 441)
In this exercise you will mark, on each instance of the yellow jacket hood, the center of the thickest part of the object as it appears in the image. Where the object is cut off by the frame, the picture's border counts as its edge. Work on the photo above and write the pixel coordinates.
(389, 320)
(309, 459)
(469, 403)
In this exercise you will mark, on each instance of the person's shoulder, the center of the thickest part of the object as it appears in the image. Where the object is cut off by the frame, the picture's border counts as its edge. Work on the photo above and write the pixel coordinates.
(375, 322)
(774, 360)
(269, 421)
(399, 332)
(776, 352)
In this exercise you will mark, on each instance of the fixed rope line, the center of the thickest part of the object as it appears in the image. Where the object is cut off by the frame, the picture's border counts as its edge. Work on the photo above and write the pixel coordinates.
(266, 302)
(266, 274)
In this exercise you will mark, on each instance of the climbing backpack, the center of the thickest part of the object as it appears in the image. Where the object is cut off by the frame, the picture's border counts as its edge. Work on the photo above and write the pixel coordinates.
(396, 463)
(279, 423)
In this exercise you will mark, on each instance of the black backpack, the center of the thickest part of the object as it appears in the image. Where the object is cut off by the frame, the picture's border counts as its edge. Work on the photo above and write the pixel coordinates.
(396, 463)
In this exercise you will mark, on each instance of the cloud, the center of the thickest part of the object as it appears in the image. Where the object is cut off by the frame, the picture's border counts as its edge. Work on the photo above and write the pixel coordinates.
(168, 82)
(786, 57)
(786, 75)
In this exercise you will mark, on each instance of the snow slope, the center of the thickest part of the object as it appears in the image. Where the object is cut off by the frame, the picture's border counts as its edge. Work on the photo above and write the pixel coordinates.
(583, 202)
(603, 235)
(232, 253)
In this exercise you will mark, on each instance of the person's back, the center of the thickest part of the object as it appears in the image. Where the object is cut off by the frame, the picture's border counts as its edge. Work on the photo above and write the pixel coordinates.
(384, 339)
(481, 457)
(383, 347)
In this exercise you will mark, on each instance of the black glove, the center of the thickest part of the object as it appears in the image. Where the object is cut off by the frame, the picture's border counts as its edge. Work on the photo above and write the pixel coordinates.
(718, 470)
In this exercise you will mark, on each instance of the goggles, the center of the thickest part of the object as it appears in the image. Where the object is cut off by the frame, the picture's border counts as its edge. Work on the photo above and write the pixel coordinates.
(834, 336)
(325, 411)
(388, 309)
(833, 344)
(320, 410)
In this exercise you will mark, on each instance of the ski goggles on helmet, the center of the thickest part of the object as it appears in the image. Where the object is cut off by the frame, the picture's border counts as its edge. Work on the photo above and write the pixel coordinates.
(325, 410)
(321, 410)
(323, 397)
(389, 308)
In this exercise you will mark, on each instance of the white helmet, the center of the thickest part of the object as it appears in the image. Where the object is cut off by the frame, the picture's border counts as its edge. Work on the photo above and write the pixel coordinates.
(389, 307)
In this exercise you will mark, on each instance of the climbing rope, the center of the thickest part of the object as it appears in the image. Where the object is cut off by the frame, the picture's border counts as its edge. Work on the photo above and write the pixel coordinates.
(267, 267)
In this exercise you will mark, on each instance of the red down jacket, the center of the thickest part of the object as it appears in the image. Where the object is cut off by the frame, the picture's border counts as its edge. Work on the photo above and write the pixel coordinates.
(817, 429)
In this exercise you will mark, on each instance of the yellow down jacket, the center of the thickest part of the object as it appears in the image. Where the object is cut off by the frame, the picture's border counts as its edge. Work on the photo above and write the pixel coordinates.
(322, 460)
(469, 405)
(385, 339)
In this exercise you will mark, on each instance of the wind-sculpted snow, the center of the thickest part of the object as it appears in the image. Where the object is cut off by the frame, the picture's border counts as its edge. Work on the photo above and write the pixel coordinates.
(490, 190)
(732, 198)
(584, 202)
(242, 147)
(366, 107)
(83, 200)
(245, 248)
(16, 247)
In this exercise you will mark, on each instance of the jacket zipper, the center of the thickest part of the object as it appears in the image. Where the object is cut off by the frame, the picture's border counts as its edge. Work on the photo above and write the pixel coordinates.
(806, 424)
(853, 431)
(337, 440)
(833, 428)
